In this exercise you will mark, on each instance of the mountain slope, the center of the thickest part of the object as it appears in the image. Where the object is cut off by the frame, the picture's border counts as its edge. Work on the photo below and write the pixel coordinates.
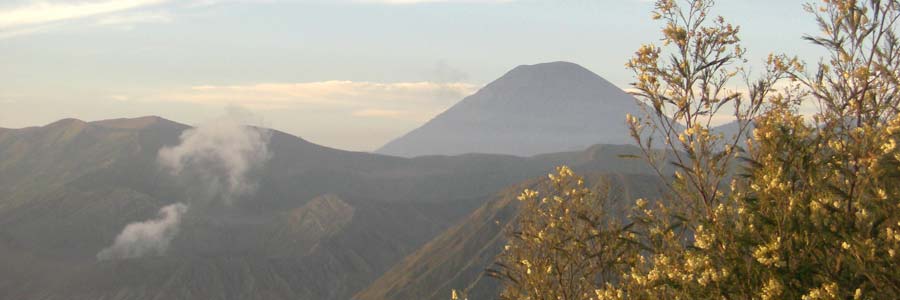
(730, 131)
(457, 258)
(532, 109)
(322, 224)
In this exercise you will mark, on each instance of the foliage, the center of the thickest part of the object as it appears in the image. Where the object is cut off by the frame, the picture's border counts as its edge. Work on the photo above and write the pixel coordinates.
(815, 212)
(564, 244)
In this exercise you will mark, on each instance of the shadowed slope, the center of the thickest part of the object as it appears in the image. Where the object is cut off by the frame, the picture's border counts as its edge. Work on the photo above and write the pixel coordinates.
(68, 188)
(457, 258)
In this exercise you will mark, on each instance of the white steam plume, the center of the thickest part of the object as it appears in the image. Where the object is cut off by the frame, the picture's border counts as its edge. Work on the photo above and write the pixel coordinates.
(219, 154)
(149, 237)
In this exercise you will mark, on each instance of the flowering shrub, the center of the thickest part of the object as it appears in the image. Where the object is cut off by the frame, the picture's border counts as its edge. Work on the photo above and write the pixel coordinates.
(809, 209)
(565, 246)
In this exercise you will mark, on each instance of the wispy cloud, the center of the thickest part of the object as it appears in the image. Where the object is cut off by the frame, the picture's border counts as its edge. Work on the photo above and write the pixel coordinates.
(431, 1)
(14, 32)
(136, 18)
(381, 113)
(356, 98)
(37, 15)
(390, 2)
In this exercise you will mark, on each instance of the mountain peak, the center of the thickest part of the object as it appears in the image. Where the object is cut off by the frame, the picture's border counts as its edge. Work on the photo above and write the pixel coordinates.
(541, 87)
(66, 123)
(132, 123)
(555, 68)
(532, 109)
(559, 73)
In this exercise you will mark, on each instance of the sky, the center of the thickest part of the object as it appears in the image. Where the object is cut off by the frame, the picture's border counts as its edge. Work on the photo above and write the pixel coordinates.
(349, 74)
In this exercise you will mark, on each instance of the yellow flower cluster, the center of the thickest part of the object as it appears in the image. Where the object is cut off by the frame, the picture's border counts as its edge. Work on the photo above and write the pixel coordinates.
(813, 214)
(828, 291)
(769, 254)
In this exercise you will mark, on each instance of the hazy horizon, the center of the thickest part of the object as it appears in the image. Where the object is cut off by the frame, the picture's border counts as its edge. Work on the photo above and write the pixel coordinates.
(345, 74)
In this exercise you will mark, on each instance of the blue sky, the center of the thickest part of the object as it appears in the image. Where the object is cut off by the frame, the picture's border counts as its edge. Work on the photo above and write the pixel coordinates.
(343, 73)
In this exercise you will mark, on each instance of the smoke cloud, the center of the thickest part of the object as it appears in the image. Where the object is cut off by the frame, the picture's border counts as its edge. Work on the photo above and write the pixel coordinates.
(151, 237)
(218, 155)
(443, 72)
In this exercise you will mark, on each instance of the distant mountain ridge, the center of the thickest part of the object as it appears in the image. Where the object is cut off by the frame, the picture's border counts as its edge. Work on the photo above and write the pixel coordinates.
(322, 225)
(532, 109)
